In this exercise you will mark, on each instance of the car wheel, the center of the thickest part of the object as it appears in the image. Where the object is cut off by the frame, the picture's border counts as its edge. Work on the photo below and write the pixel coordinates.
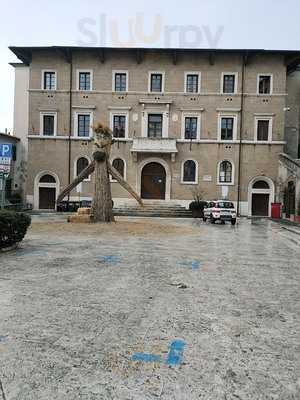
(233, 221)
(223, 222)
(212, 220)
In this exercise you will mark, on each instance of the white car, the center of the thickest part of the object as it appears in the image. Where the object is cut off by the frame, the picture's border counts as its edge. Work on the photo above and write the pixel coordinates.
(220, 210)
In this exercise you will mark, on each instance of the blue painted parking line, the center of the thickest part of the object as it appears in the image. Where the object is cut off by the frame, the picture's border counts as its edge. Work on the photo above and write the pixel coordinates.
(146, 357)
(195, 264)
(109, 259)
(175, 354)
(174, 357)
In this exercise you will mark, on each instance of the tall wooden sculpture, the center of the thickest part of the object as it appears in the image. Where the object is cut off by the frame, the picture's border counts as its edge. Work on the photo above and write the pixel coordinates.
(102, 201)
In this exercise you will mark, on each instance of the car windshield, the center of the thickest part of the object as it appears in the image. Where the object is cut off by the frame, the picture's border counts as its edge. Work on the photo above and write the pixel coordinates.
(224, 204)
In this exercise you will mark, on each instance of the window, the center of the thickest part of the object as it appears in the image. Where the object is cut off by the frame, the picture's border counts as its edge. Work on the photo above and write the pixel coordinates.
(225, 172)
(263, 130)
(119, 165)
(83, 125)
(227, 128)
(229, 82)
(264, 84)
(81, 164)
(120, 82)
(155, 125)
(190, 128)
(189, 172)
(47, 179)
(48, 123)
(49, 80)
(119, 126)
(156, 82)
(84, 81)
(192, 83)
(261, 185)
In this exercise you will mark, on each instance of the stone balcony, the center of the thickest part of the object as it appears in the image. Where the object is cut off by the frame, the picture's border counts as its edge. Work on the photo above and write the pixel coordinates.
(154, 145)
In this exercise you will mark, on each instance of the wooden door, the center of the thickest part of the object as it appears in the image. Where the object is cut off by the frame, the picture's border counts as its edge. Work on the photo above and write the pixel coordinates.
(153, 181)
(260, 204)
(46, 198)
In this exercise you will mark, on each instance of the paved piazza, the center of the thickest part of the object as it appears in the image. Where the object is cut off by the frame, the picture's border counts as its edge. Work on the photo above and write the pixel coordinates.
(151, 309)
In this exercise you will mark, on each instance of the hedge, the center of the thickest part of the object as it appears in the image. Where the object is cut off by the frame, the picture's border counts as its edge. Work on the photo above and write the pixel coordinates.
(13, 227)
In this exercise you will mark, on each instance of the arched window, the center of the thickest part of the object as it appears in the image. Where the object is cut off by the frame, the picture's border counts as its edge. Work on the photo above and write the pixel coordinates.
(225, 172)
(189, 171)
(81, 164)
(119, 165)
(47, 179)
(261, 185)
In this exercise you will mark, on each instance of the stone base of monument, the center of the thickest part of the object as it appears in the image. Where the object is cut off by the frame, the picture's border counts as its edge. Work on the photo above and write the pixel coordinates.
(83, 215)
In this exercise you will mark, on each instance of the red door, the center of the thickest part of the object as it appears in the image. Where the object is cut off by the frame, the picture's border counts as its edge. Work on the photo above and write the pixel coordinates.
(153, 181)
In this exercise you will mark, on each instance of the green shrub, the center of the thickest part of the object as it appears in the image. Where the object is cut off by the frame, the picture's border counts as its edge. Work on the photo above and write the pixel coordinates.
(13, 227)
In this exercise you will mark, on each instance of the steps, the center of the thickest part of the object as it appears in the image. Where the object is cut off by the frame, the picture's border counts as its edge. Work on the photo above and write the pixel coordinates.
(163, 210)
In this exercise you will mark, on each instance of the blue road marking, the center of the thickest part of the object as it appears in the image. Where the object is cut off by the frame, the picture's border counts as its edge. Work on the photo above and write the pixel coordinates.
(176, 352)
(193, 264)
(110, 259)
(174, 357)
(146, 357)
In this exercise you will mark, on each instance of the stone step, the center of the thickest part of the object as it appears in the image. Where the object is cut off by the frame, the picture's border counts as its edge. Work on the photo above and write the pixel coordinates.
(153, 210)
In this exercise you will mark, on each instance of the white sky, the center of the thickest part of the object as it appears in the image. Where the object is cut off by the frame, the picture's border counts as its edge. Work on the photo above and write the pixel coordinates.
(272, 24)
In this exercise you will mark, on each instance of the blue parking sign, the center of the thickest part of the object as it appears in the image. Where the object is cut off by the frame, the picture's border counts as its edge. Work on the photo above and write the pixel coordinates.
(6, 150)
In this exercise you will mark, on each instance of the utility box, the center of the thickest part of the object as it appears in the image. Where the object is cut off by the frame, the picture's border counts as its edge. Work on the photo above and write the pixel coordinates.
(276, 210)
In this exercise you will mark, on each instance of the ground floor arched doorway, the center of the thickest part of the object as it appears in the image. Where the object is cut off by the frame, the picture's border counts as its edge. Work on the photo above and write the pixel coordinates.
(261, 195)
(153, 181)
(46, 190)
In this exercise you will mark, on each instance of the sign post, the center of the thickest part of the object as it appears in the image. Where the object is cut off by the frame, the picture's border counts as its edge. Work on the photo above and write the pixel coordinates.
(5, 163)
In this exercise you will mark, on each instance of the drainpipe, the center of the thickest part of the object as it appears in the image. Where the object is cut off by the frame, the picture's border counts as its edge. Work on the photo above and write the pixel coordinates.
(241, 136)
(70, 124)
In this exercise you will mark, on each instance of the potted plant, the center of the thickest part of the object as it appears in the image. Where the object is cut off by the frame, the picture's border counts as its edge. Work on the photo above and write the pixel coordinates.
(197, 208)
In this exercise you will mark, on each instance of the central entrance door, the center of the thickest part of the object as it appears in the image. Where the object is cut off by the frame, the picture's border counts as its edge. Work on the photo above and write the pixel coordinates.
(154, 181)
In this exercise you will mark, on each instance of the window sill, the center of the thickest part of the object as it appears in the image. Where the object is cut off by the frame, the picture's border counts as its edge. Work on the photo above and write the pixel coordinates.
(188, 183)
(126, 139)
(225, 184)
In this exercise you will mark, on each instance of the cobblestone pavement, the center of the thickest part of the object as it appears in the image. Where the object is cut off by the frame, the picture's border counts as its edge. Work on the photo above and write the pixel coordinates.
(151, 309)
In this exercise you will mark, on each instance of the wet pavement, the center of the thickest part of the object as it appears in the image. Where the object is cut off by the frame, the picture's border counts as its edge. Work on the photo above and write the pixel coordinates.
(151, 309)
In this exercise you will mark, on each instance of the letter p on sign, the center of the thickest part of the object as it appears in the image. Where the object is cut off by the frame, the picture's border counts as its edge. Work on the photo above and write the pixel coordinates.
(6, 150)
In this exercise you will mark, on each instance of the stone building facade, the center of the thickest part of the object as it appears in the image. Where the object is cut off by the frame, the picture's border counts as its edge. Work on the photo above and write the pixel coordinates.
(183, 120)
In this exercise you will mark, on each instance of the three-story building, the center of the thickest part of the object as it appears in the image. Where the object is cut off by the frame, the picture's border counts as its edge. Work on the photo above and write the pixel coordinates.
(183, 120)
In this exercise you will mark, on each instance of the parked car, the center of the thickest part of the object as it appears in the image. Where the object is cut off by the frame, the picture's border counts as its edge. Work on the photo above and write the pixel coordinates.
(220, 210)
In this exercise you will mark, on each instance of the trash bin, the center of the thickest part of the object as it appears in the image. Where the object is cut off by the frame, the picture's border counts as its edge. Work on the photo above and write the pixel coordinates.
(276, 210)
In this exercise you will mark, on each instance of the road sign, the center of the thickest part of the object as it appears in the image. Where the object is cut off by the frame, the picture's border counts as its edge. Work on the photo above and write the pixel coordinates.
(5, 168)
(6, 150)
(5, 160)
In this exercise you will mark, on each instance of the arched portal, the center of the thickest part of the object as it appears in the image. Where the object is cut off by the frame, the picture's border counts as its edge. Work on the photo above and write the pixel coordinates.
(46, 190)
(261, 195)
(153, 181)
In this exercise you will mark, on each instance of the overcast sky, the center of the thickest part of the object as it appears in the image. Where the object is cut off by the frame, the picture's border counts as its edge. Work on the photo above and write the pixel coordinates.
(272, 24)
